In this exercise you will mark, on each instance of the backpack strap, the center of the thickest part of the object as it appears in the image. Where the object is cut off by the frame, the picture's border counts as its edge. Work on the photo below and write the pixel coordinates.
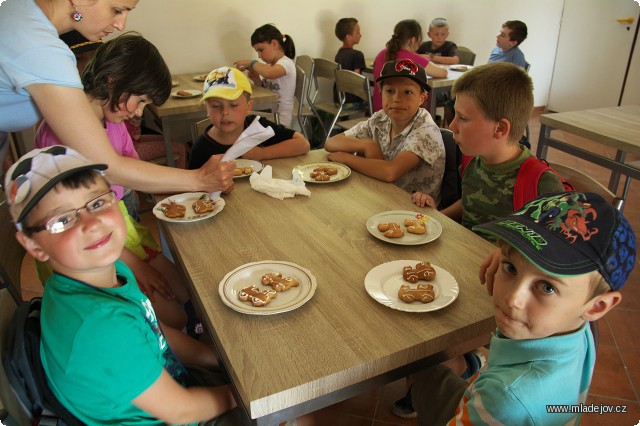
(528, 178)
(466, 159)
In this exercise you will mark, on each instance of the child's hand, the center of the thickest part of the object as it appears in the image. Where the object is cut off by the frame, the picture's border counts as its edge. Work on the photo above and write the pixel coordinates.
(421, 199)
(242, 65)
(149, 279)
(339, 157)
(489, 269)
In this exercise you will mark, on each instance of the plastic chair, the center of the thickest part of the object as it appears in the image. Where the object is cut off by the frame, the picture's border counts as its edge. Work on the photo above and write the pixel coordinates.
(303, 110)
(466, 55)
(349, 82)
(583, 182)
(11, 253)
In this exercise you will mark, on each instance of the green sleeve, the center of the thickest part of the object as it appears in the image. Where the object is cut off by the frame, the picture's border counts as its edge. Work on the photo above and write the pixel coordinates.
(549, 182)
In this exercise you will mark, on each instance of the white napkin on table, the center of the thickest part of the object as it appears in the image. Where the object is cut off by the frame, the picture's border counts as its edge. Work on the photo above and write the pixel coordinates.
(278, 188)
(253, 135)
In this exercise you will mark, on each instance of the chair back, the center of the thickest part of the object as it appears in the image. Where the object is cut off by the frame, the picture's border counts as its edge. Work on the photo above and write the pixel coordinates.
(466, 55)
(527, 66)
(271, 116)
(583, 182)
(450, 191)
(11, 253)
(325, 68)
(310, 88)
(198, 127)
(353, 83)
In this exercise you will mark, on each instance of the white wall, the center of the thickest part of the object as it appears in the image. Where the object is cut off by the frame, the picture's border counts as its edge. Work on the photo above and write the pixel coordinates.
(199, 35)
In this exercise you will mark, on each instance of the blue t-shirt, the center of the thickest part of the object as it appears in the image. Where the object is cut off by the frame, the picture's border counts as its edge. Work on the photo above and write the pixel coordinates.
(513, 55)
(30, 53)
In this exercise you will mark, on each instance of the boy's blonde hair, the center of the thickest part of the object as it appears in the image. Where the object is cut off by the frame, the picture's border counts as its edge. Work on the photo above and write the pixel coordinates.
(501, 90)
(439, 23)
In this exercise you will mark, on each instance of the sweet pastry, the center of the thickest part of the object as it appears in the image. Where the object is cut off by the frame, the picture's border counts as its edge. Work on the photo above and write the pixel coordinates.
(203, 205)
(173, 210)
(423, 293)
(411, 222)
(322, 177)
(394, 233)
(422, 271)
(183, 93)
(242, 171)
(383, 227)
(256, 296)
(278, 282)
(323, 174)
(416, 229)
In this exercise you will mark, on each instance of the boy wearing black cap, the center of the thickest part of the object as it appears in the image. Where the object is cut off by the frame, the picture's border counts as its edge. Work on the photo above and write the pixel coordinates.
(107, 357)
(564, 258)
(401, 143)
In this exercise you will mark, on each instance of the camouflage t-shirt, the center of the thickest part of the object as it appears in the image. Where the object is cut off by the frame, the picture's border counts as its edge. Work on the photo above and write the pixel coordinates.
(487, 190)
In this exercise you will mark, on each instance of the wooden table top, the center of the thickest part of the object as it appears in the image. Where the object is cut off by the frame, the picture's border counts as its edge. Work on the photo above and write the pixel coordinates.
(262, 98)
(618, 127)
(342, 336)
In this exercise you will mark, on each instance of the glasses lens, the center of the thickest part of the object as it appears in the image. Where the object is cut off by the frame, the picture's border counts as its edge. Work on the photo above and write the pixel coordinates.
(101, 203)
(62, 222)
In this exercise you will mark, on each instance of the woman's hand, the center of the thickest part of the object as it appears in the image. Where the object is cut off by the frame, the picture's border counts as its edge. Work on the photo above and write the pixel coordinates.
(217, 175)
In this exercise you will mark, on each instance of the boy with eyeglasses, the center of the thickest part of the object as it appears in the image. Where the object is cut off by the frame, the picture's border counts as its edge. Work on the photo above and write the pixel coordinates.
(107, 357)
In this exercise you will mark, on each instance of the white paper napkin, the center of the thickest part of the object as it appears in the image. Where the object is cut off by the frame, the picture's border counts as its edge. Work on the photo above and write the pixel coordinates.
(253, 135)
(278, 188)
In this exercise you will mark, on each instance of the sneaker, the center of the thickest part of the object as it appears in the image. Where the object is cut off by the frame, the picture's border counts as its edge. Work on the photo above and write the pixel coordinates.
(404, 407)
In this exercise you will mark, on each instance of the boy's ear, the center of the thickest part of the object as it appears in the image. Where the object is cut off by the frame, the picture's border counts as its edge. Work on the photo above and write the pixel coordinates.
(600, 305)
(32, 247)
(424, 95)
(249, 106)
(503, 128)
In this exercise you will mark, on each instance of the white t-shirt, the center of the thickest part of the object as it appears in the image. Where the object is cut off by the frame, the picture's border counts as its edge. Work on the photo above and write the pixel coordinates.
(30, 52)
(285, 87)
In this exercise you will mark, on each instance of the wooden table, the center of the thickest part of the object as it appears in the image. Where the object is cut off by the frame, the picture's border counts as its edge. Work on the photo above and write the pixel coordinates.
(616, 127)
(177, 109)
(342, 342)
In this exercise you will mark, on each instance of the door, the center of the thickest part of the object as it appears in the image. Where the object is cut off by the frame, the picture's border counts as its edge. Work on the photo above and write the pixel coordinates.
(593, 53)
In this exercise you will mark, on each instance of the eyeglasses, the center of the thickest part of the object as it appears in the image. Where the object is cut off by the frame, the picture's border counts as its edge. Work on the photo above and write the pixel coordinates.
(68, 220)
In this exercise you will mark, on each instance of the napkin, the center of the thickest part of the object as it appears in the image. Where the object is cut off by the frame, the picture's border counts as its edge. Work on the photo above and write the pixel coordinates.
(277, 188)
(253, 135)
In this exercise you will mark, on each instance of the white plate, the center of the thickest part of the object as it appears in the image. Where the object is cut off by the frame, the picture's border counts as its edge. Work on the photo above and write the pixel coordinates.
(194, 93)
(255, 165)
(201, 77)
(174, 83)
(383, 282)
(434, 229)
(460, 68)
(251, 273)
(305, 170)
(187, 199)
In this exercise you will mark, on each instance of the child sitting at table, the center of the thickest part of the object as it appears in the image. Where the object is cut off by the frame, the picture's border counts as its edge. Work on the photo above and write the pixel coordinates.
(119, 85)
(406, 38)
(106, 356)
(348, 32)
(439, 49)
(508, 42)
(278, 72)
(554, 279)
(492, 108)
(401, 143)
(227, 96)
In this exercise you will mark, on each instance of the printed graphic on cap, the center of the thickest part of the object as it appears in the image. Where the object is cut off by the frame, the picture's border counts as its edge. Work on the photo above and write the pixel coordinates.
(566, 212)
(221, 77)
(407, 64)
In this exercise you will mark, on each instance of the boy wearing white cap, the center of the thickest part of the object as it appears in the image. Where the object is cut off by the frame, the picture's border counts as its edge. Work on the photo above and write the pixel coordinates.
(107, 358)
(227, 96)
(564, 258)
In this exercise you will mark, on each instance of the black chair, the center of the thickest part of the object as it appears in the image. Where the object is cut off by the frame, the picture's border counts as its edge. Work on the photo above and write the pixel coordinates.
(450, 191)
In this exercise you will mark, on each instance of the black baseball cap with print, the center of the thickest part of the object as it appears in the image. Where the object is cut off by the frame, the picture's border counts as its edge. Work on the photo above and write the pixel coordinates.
(405, 68)
(570, 233)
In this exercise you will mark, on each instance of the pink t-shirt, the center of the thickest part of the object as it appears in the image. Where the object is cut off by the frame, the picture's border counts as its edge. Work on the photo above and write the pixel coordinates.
(378, 63)
(117, 134)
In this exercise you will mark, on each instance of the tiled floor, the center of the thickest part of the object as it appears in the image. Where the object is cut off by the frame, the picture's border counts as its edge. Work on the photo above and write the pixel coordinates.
(616, 379)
